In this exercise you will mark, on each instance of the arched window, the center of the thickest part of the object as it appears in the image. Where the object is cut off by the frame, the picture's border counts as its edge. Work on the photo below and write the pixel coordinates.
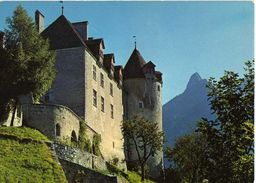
(73, 136)
(57, 130)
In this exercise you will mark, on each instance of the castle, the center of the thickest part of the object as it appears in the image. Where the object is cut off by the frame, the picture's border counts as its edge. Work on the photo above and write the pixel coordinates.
(89, 86)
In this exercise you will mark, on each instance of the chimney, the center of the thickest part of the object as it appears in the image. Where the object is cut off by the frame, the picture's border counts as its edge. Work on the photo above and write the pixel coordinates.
(1, 39)
(81, 28)
(39, 17)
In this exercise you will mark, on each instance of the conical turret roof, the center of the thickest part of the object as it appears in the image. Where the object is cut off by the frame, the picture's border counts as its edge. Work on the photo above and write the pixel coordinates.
(133, 68)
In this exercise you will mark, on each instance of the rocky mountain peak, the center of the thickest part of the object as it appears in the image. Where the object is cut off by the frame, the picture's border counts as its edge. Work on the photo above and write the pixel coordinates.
(180, 114)
(194, 81)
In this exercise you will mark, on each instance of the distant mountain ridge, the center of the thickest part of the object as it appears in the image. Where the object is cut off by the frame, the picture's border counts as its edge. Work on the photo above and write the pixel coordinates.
(181, 113)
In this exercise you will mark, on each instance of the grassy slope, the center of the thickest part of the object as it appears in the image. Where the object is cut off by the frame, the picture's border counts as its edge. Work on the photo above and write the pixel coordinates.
(134, 177)
(28, 160)
(130, 176)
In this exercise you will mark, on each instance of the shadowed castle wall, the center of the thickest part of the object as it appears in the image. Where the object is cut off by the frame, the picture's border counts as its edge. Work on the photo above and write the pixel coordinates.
(68, 88)
(149, 93)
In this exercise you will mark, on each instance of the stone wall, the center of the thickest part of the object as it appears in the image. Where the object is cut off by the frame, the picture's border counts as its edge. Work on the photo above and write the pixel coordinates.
(149, 93)
(46, 118)
(78, 173)
(68, 86)
(79, 157)
(73, 87)
(101, 121)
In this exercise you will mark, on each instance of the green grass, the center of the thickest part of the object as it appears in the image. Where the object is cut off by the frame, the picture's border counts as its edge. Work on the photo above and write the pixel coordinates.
(23, 133)
(134, 177)
(27, 161)
(131, 176)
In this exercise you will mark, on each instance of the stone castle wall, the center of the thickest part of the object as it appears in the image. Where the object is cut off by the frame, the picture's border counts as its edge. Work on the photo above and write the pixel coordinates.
(101, 121)
(68, 86)
(74, 161)
(79, 157)
(45, 118)
(73, 87)
(149, 93)
(77, 173)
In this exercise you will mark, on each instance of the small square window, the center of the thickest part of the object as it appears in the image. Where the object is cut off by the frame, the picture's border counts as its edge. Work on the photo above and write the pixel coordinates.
(141, 105)
(111, 89)
(158, 87)
(102, 104)
(101, 80)
(94, 73)
(94, 98)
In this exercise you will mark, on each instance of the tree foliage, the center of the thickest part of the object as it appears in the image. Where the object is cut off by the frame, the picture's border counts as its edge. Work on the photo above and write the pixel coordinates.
(145, 137)
(229, 150)
(221, 150)
(187, 160)
(27, 65)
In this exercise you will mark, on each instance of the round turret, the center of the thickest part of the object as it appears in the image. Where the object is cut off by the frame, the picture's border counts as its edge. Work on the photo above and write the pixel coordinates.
(143, 97)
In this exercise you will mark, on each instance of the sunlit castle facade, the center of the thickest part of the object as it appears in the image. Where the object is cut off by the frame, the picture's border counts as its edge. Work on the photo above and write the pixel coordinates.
(89, 85)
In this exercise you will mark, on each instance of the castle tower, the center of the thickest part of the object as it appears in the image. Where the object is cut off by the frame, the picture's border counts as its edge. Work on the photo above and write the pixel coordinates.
(143, 97)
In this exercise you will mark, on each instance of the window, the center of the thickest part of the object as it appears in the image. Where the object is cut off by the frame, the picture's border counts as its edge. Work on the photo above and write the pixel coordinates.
(141, 105)
(94, 73)
(158, 87)
(57, 130)
(111, 89)
(112, 111)
(94, 98)
(46, 98)
(102, 104)
(101, 80)
(73, 136)
(113, 145)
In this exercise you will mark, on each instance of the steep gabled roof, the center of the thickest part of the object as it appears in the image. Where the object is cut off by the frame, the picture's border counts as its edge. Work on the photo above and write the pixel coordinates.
(133, 68)
(149, 64)
(95, 42)
(94, 46)
(62, 34)
(107, 61)
(159, 76)
(109, 56)
(116, 72)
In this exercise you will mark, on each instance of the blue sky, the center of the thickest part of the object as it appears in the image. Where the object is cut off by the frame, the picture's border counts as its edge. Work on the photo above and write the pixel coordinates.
(181, 38)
